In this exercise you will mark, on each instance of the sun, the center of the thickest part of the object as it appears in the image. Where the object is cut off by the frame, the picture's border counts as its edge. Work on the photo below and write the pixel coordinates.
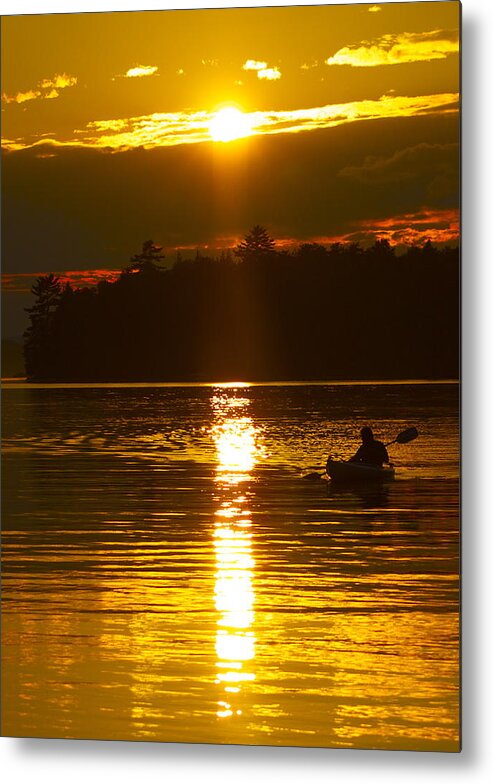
(229, 124)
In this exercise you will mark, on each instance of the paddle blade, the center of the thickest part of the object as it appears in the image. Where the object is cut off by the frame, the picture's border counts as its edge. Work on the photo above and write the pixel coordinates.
(407, 435)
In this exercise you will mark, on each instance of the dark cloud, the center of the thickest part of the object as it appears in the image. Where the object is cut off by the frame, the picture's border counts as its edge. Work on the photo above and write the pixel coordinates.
(406, 164)
(433, 170)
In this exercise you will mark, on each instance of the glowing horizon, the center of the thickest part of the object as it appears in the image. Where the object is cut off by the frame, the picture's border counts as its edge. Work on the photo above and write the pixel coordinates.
(437, 226)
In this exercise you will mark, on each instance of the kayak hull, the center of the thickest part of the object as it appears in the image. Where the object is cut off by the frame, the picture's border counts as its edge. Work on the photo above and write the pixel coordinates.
(343, 472)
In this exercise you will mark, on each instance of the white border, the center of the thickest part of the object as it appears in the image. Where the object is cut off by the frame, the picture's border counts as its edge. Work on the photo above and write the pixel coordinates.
(43, 761)
(62, 6)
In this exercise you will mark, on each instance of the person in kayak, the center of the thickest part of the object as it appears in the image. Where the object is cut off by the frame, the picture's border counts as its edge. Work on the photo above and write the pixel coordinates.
(371, 451)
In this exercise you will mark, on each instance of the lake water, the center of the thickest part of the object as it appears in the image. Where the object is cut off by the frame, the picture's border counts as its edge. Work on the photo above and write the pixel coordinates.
(169, 575)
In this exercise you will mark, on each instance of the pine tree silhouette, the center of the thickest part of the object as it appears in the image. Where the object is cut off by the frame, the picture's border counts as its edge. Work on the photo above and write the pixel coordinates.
(148, 260)
(37, 337)
(256, 243)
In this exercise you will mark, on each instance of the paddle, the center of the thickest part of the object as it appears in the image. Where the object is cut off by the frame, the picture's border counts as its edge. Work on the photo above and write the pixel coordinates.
(405, 437)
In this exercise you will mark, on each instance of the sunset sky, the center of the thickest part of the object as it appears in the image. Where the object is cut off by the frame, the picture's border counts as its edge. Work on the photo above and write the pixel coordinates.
(347, 117)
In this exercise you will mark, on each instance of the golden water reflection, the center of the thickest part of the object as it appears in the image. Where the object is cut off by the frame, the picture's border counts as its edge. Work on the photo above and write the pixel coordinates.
(237, 443)
(279, 616)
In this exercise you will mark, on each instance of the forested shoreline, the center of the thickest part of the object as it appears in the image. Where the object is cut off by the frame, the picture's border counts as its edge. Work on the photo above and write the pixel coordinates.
(254, 314)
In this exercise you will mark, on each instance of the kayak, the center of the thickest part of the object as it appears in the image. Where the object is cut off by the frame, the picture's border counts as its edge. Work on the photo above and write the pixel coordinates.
(340, 471)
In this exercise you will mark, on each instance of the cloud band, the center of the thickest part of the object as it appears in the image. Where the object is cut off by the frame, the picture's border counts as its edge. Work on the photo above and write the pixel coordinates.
(169, 129)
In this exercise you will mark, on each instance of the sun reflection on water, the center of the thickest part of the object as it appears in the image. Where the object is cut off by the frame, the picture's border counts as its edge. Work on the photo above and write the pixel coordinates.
(237, 448)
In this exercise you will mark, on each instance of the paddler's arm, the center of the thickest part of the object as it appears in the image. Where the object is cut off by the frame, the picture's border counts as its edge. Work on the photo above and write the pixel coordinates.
(358, 457)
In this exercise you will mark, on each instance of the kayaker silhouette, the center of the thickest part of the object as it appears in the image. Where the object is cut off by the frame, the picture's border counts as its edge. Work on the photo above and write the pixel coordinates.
(371, 451)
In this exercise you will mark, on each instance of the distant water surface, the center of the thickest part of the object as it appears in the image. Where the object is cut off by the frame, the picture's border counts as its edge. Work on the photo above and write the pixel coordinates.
(168, 574)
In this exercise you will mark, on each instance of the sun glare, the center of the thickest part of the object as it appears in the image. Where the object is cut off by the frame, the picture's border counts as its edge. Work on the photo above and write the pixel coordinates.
(229, 124)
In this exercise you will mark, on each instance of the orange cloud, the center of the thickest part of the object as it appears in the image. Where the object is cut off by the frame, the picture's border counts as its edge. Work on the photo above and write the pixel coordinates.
(59, 82)
(254, 65)
(141, 70)
(438, 226)
(30, 95)
(21, 282)
(271, 74)
(263, 70)
(397, 49)
(46, 88)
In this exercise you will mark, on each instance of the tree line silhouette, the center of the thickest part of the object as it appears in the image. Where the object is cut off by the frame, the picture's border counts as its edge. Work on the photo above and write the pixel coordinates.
(259, 313)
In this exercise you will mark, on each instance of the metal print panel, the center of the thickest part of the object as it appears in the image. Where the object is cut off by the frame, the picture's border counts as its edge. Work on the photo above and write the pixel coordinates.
(230, 358)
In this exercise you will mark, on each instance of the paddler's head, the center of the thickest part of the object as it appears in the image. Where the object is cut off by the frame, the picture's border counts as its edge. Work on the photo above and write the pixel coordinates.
(366, 434)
